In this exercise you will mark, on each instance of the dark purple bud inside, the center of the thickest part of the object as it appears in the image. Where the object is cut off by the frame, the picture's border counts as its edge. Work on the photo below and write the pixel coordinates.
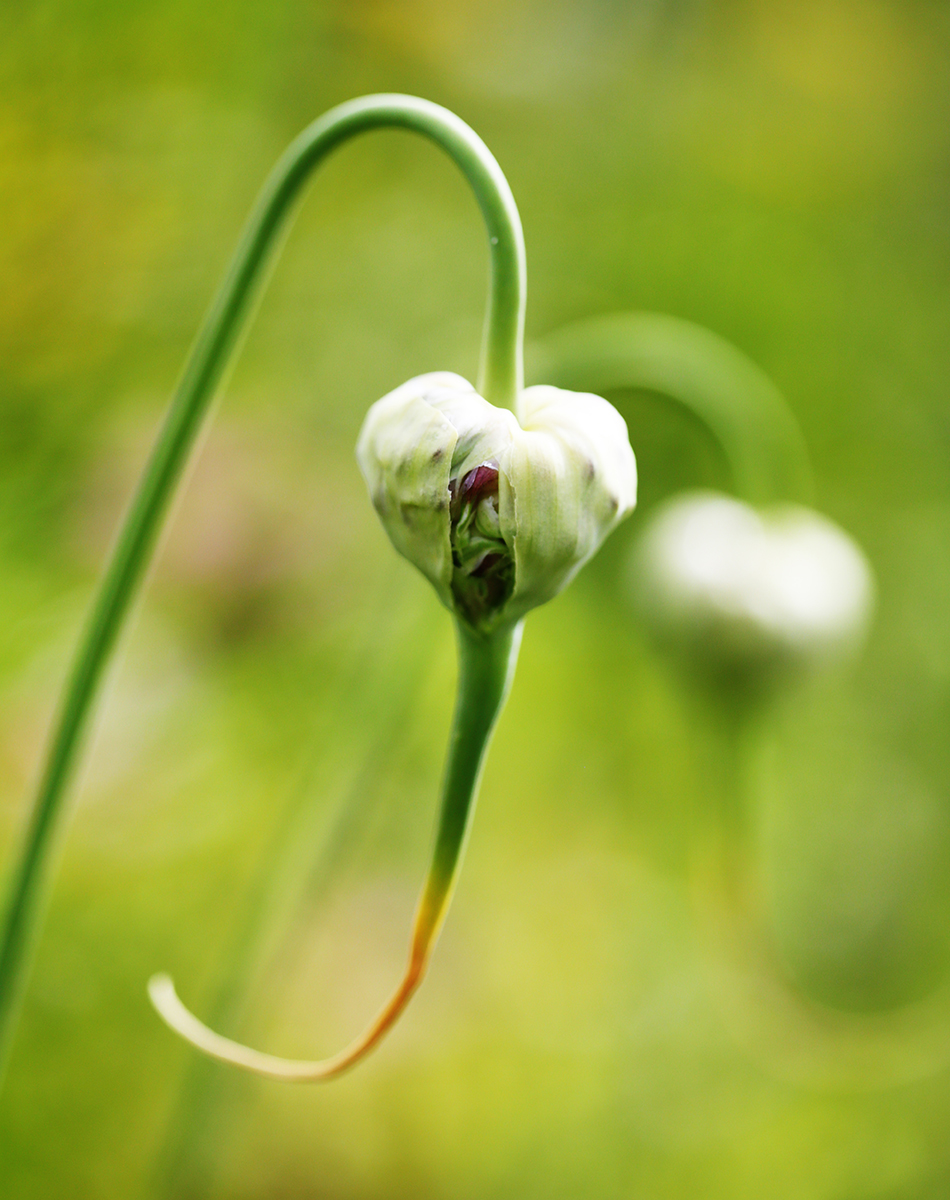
(483, 567)
(476, 485)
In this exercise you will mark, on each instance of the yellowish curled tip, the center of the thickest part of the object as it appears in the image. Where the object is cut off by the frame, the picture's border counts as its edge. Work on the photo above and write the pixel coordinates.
(161, 991)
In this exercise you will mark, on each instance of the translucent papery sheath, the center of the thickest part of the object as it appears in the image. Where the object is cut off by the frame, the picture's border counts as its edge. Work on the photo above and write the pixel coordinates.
(466, 490)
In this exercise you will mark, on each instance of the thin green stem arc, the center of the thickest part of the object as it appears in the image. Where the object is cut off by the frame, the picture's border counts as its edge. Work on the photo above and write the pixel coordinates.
(500, 381)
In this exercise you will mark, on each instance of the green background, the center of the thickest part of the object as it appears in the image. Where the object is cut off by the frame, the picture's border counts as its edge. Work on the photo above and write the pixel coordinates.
(776, 170)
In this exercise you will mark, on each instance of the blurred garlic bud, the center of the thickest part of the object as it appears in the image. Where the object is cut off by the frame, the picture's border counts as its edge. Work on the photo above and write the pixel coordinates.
(499, 515)
(749, 596)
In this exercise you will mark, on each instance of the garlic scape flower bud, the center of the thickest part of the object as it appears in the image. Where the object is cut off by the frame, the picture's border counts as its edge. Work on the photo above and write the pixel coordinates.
(499, 514)
(750, 595)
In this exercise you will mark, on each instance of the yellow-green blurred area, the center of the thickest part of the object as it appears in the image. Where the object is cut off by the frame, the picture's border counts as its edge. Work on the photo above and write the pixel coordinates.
(257, 805)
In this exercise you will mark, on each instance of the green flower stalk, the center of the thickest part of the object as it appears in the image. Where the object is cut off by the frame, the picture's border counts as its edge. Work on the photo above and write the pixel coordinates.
(501, 516)
(486, 667)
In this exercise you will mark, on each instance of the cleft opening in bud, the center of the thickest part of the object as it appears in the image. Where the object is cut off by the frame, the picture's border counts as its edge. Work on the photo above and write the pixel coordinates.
(483, 567)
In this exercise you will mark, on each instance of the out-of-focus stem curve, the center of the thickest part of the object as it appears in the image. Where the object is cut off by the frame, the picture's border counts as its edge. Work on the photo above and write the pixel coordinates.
(696, 368)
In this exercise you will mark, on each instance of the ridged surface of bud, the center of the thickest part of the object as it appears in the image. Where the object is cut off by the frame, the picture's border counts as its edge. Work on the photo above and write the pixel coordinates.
(498, 512)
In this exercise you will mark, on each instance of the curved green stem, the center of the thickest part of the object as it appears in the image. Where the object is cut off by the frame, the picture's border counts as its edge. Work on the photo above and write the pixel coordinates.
(733, 398)
(486, 667)
(500, 380)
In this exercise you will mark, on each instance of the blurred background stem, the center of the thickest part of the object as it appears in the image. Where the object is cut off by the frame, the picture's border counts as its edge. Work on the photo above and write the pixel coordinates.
(768, 1010)
(695, 368)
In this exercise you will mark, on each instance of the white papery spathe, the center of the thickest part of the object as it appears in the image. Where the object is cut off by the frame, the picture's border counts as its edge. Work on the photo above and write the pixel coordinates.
(566, 477)
(745, 589)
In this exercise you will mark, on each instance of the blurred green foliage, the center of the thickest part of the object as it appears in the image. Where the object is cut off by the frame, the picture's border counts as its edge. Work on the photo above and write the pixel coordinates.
(776, 171)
